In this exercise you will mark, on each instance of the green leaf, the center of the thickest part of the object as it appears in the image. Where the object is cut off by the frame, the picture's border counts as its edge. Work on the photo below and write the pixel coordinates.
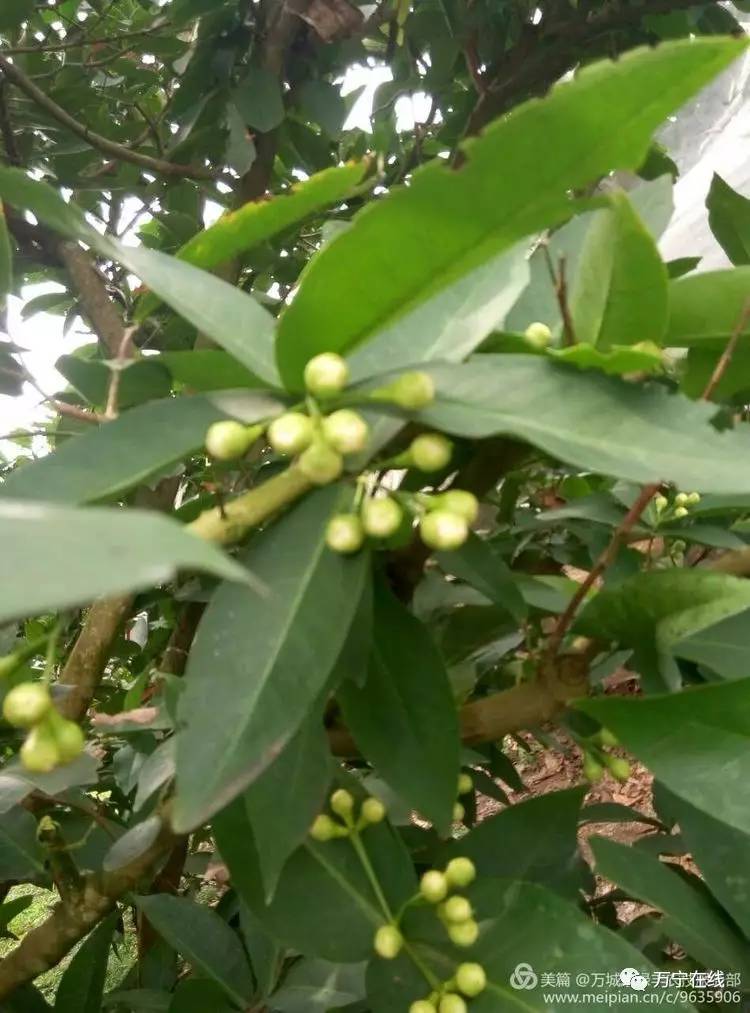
(208, 369)
(81, 987)
(204, 940)
(321, 885)
(26, 194)
(14, 12)
(141, 380)
(506, 190)
(252, 675)
(404, 716)
(322, 102)
(697, 743)
(729, 219)
(643, 357)
(706, 308)
(258, 99)
(21, 856)
(62, 556)
(316, 986)
(723, 646)
(700, 366)
(619, 296)
(6, 260)
(534, 840)
(130, 449)
(690, 919)
(592, 421)
(477, 563)
(300, 775)
(196, 995)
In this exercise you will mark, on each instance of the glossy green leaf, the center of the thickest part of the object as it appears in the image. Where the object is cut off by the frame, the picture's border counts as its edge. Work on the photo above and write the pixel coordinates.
(701, 364)
(208, 369)
(321, 885)
(689, 916)
(132, 448)
(196, 995)
(617, 360)
(697, 743)
(723, 647)
(203, 939)
(257, 664)
(404, 717)
(258, 99)
(706, 308)
(600, 121)
(140, 381)
(592, 421)
(62, 556)
(481, 566)
(729, 218)
(316, 986)
(619, 296)
(21, 856)
(81, 987)
(26, 194)
(300, 775)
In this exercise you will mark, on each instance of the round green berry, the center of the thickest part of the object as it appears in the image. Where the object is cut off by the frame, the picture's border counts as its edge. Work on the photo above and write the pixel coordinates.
(443, 530)
(681, 499)
(26, 704)
(681, 512)
(460, 872)
(422, 1006)
(326, 374)
(324, 828)
(411, 391)
(461, 502)
(342, 802)
(344, 533)
(320, 464)
(228, 440)
(456, 910)
(465, 784)
(433, 886)
(592, 769)
(291, 433)
(693, 498)
(431, 452)
(381, 517)
(452, 1003)
(69, 738)
(346, 431)
(471, 979)
(388, 942)
(619, 768)
(40, 753)
(464, 933)
(538, 334)
(373, 810)
(458, 812)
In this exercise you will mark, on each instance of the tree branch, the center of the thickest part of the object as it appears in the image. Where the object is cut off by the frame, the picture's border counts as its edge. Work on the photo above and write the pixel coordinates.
(109, 40)
(92, 291)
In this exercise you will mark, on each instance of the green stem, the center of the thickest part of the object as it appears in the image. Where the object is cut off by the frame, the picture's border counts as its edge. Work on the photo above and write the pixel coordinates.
(51, 655)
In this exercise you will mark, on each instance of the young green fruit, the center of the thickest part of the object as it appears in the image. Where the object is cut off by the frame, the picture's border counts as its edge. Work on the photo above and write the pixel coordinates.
(26, 704)
(422, 1006)
(342, 802)
(9, 663)
(464, 933)
(606, 737)
(443, 530)
(381, 517)
(681, 499)
(433, 886)
(461, 502)
(460, 872)
(40, 753)
(471, 979)
(326, 374)
(346, 431)
(456, 910)
(592, 769)
(458, 812)
(465, 784)
(320, 464)
(373, 810)
(693, 498)
(452, 1003)
(69, 738)
(681, 512)
(291, 433)
(388, 942)
(323, 828)
(344, 533)
(431, 452)
(619, 768)
(227, 440)
(661, 503)
(538, 334)
(411, 391)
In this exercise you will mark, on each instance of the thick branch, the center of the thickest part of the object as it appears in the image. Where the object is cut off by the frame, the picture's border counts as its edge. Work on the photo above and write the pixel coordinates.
(117, 151)
(100, 309)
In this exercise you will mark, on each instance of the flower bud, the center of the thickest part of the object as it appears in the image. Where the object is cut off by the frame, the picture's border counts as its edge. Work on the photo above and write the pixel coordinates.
(456, 910)
(431, 452)
(442, 529)
(373, 810)
(538, 334)
(344, 533)
(681, 499)
(422, 1006)
(452, 1003)
(465, 784)
(381, 517)
(693, 498)
(464, 933)
(606, 737)
(323, 828)
(410, 391)
(619, 768)
(388, 942)
(9, 663)
(680, 512)
(433, 886)
(26, 704)
(471, 979)
(461, 502)
(326, 374)
(40, 753)
(342, 802)
(661, 503)
(320, 464)
(458, 812)
(592, 769)
(460, 872)
(346, 431)
(228, 440)
(291, 433)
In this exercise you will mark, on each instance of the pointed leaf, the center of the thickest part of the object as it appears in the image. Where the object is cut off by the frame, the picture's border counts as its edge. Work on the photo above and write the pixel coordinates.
(477, 562)
(729, 218)
(81, 987)
(21, 856)
(705, 309)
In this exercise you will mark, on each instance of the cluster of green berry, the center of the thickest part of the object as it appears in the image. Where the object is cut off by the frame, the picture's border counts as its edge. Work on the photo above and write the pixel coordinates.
(679, 508)
(342, 804)
(52, 739)
(538, 335)
(595, 757)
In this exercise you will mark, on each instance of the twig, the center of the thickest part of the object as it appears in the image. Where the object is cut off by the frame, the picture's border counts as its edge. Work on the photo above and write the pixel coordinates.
(103, 144)
(560, 284)
(72, 411)
(726, 356)
(123, 354)
(607, 557)
(111, 40)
